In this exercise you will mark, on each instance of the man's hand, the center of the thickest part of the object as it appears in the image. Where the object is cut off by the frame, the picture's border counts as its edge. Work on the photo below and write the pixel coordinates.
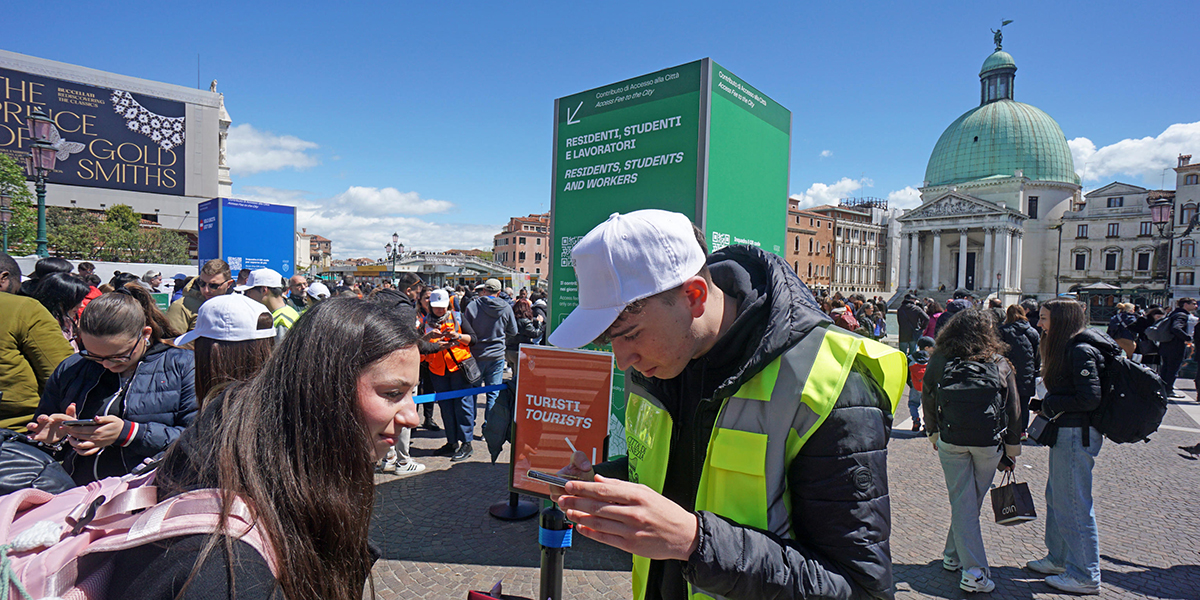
(580, 468)
(632, 517)
(90, 440)
(933, 437)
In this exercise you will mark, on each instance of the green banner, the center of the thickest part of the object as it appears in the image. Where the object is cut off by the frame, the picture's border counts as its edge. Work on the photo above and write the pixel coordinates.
(693, 139)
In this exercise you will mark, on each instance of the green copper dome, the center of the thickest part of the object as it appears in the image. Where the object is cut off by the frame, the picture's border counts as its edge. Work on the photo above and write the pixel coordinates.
(998, 60)
(1001, 136)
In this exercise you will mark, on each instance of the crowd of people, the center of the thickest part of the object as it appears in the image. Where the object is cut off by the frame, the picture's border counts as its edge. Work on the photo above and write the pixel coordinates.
(223, 391)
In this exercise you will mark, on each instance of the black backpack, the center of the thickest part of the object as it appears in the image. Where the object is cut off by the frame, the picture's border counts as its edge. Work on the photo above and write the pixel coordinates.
(1133, 400)
(970, 403)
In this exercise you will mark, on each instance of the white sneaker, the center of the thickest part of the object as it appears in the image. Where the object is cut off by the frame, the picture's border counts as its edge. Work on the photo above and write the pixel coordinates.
(950, 564)
(974, 580)
(409, 468)
(1067, 583)
(389, 463)
(1044, 566)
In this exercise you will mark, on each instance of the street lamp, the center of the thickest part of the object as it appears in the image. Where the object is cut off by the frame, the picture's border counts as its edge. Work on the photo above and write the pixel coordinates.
(395, 249)
(5, 215)
(39, 164)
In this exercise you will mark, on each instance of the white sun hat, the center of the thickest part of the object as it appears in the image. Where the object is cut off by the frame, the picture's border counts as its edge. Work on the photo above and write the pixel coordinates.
(229, 318)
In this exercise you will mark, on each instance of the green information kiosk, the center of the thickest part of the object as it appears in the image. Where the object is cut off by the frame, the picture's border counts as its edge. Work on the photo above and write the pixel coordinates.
(694, 139)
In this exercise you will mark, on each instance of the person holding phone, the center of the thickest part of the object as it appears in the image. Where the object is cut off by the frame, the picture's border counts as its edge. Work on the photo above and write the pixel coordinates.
(134, 392)
(446, 375)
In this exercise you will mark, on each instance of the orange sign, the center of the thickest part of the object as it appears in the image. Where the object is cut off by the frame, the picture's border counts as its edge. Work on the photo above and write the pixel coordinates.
(561, 406)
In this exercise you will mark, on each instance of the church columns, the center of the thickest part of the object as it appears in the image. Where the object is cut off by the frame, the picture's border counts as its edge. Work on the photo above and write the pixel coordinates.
(905, 250)
(1006, 267)
(914, 260)
(936, 280)
(989, 238)
(1017, 258)
(962, 257)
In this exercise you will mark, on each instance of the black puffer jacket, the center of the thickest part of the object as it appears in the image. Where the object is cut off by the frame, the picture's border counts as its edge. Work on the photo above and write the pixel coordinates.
(842, 523)
(1023, 341)
(952, 308)
(1076, 393)
(159, 402)
(911, 321)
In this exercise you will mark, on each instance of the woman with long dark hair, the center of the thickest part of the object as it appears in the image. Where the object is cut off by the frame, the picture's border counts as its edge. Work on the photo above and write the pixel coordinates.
(44, 268)
(297, 443)
(972, 422)
(137, 390)
(62, 294)
(1073, 357)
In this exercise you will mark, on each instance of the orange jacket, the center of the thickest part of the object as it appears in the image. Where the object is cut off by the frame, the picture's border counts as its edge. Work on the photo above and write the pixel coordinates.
(443, 362)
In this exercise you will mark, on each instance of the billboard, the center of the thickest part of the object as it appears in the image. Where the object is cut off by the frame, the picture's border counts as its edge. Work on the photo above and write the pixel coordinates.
(694, 139)
(248, 235)
(107, 138)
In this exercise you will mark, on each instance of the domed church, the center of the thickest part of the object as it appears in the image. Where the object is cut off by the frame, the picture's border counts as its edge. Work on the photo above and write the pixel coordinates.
(999, 178)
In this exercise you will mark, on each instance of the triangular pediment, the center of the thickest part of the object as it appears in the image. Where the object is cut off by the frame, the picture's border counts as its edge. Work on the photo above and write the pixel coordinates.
(954, 204)
(1116, 188)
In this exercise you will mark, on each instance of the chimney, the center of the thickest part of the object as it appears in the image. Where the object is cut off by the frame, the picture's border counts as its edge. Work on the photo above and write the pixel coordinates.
(1184, 159)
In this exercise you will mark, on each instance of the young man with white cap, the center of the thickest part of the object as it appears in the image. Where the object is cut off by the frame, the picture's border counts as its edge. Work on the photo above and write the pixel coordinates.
(266, 286)
(757, 434)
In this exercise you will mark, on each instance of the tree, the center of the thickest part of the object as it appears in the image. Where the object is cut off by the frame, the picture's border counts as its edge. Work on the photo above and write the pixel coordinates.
(22, 229)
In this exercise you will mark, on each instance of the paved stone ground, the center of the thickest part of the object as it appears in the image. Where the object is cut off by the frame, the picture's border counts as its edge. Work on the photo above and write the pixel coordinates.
(439, 541)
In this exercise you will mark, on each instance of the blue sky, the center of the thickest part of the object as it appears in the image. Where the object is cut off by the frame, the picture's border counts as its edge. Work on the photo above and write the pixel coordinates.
(435, 119)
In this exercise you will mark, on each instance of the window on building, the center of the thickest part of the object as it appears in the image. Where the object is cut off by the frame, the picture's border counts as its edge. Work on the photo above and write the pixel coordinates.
(521, 256)
(1191, 179)
(810, 269)
(1185, 215)
(829, 225)
(1187, 249)
(522, 242)
(1110, 261)
(872, 236)
(1185, 278)
(537, 257)
(538, 242)
(796, 267)
(1032, 207)
(810, 245)
(538, 271)
(1081, 231)
(1116, 202)
(1145, 228)
(810, 221)
(1114, 230)
(839, 232)
(1143, 261)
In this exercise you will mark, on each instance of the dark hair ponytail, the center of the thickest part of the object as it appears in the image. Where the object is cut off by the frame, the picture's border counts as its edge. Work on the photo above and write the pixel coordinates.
(124, 312)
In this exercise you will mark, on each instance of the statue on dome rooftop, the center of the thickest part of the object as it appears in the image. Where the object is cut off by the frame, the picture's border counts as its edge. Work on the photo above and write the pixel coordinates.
(998, 35)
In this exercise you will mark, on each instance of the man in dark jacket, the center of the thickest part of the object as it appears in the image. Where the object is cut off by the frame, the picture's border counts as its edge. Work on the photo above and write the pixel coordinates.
(711, 352)
(912, 321)
(493, 321)
(1173, 351)
(953, 307)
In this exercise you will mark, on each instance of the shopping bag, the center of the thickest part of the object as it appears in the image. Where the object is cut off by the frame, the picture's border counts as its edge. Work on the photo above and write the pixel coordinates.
(1012, 502)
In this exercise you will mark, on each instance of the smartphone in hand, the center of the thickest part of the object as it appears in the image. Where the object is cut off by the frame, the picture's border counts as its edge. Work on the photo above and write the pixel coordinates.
(81, 423)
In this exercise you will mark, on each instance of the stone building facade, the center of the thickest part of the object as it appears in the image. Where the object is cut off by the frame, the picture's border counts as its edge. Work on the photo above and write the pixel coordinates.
(524, 244)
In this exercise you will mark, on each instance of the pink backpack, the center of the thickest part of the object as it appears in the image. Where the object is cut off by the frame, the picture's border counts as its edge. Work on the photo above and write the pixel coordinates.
(44, 535)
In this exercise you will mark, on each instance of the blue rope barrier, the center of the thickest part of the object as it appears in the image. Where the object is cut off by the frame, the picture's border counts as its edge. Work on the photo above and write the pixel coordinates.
(424, 398)
(554, 538)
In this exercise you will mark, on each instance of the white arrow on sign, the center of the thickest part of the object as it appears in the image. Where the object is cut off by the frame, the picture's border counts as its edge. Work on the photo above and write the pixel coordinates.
(571, 115)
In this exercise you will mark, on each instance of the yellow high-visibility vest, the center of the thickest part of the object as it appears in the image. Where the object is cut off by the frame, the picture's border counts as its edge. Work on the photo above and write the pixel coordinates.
(759, 431)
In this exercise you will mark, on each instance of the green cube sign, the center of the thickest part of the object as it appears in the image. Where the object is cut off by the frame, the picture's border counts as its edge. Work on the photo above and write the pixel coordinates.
(694, 139)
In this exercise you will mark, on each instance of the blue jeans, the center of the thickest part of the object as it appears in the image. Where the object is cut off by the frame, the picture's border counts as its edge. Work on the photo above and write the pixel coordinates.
(1071, 536)
(458, 414)
(969, 471)
(914, 405)
(493, 374)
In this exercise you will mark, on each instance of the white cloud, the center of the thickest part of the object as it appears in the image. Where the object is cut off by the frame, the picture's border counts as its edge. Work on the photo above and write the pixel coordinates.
(821, 193)
(361, 220)
(826, 153)
(1145, 157)
(249, 151)
(909, 197)
(375, 201)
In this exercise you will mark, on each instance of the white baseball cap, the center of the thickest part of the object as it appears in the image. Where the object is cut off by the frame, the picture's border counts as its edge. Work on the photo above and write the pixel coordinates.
(439, 299)
(262, 277)
(229, 318)
(317, 290)
(627, 258)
